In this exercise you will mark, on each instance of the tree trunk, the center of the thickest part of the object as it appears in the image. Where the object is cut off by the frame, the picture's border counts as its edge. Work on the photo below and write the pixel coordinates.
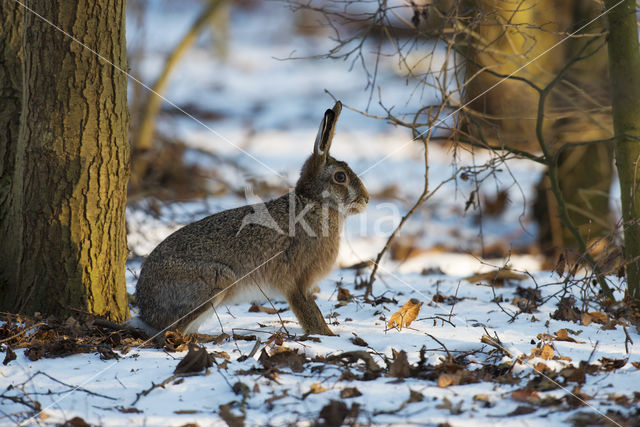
(575, 110)
(72, 163)
(624, 65)
(11, 94)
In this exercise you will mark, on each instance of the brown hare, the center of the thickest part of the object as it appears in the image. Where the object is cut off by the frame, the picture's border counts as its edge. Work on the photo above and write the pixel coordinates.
(281, 247)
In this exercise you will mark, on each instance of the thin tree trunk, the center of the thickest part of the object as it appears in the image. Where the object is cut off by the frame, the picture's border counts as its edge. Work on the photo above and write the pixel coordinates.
(624, 66)
(144, 137)
(73, 158)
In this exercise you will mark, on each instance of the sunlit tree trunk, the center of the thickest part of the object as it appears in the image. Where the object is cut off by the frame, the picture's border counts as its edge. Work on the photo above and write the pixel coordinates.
(71, 167)
(624, 63)
(509, 41)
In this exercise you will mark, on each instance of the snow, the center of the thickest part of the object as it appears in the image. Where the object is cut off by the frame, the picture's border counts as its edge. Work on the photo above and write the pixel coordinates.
(272, 109)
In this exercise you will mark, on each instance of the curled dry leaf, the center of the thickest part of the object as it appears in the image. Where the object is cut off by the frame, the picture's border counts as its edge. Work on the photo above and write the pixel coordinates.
(445, 380)
(406, 314)
(563, 335)
(594, 316)
(546, 352)
(496, 276)
(260, 309)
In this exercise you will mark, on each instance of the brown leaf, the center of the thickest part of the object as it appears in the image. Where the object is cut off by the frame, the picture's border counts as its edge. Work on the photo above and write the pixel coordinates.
(400, 367)
(406, 314)
(284, 358)
(546, 352)
(260, 309)
(594, 316)
(541, 367)
(334, 413)
(34, 352)
(612, 364)
(344, 294)
(528, 395)
(636, 365)
(76, 422)
(350, 392)
(175, 341)
(563, 335)
(415, 396)
(522, 410)
(453, 409)
(445, 380)
(317, 388)
(10, 356)
(501, 275)
(359, 341)
(229, 417)
(573, 374)
(196, 360)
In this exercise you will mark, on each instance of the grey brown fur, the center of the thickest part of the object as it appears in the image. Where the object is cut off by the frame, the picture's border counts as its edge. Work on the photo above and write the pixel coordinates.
(220, 258)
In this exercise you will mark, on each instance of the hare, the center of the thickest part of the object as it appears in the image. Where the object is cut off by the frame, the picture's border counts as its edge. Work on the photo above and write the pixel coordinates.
(283, 246)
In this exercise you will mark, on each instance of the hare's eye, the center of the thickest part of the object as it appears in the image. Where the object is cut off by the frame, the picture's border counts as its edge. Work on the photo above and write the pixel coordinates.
(340, 177)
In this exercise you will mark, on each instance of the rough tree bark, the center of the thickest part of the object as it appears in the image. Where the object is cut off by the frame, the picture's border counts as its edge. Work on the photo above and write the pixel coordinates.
(11, 96)
(71, 164)
(624, 65)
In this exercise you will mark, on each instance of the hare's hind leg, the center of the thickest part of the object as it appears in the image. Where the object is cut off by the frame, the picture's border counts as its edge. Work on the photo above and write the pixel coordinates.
(207, 285)
(308, 314)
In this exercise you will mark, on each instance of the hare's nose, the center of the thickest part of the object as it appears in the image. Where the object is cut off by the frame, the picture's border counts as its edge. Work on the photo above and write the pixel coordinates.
(366, 196)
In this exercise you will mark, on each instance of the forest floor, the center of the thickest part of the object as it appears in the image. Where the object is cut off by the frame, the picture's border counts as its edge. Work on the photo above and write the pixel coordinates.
(488, 335)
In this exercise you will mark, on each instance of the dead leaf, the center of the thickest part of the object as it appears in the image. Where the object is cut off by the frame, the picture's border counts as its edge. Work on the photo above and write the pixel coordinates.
(175, 341)
(547, 352)
(406, 315)
(359, 341)
(446, 380)
(229, 417)
(10, 356)
(541, 367)
(415, 396)
(283, 358)
(501, 275)
(317, 388)
(344, 294)
(609, 365)
(400, 367)
(76, 422)
(350, 392)
(636, 365)
(522, 410)
(573, 374)
(196, 360)
(453, 409)
(528, 395)
(334, 413)
(260, 309)
(594, 316)
(481, 398)
(563, 335)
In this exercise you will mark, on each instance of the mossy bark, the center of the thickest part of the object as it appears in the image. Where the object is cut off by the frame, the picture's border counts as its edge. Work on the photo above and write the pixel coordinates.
(71, 167)
(624, 65)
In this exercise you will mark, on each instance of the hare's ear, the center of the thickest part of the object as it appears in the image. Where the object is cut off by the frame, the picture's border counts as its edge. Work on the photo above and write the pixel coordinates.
(326, 131)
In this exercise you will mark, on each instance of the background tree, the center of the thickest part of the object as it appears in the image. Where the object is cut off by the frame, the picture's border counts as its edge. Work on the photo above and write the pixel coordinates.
(520, 78)
(528, 38)
(624, 62)
(65, 170)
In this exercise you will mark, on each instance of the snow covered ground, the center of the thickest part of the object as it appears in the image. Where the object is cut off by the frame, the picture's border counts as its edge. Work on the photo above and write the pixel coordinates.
(445, 368)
